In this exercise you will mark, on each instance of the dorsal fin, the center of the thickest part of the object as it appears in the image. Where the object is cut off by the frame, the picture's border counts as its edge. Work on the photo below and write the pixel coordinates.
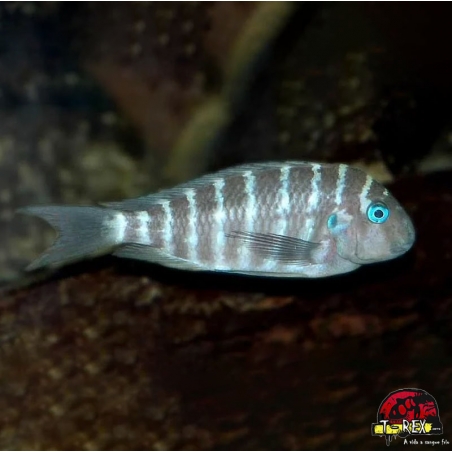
(143, 202)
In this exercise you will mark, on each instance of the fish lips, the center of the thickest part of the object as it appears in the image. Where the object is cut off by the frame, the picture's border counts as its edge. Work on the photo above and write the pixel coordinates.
(403, 246)
(397, 249)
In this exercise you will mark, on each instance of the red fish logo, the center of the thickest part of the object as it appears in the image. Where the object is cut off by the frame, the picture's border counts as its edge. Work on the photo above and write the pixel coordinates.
(407, 412)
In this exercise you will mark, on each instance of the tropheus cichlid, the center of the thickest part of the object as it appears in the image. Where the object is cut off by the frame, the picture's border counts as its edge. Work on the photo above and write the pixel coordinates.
(281, 219)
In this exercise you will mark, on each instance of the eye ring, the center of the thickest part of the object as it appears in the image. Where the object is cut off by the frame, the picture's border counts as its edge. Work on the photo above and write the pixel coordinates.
(378, 212)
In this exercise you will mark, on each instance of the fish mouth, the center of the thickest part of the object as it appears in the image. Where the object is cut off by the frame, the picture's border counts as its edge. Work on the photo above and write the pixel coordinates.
(394, 251)
(360, 261)
(403, 247)
(397, 250)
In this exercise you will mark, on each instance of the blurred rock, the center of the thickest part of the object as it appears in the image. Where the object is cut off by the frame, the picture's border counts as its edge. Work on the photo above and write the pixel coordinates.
(107, 358)
(101, 102)
(60, 137)
(178, 69)
(168, 67)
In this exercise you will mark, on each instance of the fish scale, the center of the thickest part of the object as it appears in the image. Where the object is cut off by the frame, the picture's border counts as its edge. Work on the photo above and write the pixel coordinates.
(219, 218)
(157, 233)
(287, 219)
(234, 195)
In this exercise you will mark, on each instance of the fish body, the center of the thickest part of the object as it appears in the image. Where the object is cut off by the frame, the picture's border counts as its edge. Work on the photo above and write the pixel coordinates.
(282, 219)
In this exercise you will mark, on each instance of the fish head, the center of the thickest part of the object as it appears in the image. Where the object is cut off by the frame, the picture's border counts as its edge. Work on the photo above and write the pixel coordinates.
(376, 231)
(385, 232)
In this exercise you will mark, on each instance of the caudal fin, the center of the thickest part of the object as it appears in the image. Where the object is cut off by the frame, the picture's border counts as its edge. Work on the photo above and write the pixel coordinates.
(82, 232)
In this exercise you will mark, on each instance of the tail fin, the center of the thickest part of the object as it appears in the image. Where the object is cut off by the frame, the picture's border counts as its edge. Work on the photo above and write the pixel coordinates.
(82, 232)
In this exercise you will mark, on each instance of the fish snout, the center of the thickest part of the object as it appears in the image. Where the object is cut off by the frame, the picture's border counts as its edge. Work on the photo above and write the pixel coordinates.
(402, 247)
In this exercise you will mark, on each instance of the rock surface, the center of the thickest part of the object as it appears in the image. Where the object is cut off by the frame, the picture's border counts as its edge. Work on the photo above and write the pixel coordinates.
(116, 355)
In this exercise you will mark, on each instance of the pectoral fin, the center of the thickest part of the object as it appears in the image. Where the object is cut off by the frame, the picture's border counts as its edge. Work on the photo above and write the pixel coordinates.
(281, 248)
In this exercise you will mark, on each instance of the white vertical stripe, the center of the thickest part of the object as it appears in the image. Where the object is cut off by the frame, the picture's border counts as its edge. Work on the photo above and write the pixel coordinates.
(309, 228)
(314, 193)
(363, 201)
(283, 207)
(283, 210)
(167, 226)
(250, 190)
(313, 201)
(144, 220)
(192, 239)
(218, 237)
(250, 213)
(341, 175)
(121, 226)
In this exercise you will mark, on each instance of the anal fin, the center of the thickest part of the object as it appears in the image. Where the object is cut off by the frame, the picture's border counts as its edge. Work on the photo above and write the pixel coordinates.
(155, 255)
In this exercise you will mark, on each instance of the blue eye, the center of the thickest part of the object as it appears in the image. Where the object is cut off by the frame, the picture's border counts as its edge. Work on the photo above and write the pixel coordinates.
(377, 212)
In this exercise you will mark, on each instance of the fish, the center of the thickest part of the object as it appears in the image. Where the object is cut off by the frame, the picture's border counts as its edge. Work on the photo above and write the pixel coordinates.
(273, 219)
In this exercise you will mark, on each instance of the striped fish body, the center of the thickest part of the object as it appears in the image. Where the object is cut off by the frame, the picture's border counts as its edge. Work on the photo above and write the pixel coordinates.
(294, 219)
